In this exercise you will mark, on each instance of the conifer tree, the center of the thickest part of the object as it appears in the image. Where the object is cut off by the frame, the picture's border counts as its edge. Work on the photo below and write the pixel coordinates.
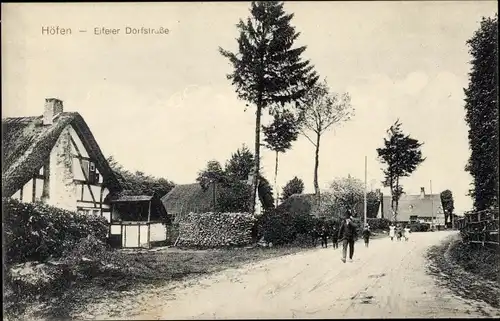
(267, 70)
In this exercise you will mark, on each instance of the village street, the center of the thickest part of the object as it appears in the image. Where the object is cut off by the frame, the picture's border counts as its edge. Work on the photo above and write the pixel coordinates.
(388, 279)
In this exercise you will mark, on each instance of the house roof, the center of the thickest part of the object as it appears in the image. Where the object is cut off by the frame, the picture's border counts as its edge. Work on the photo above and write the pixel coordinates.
(186, 198)
(409, 205)
(27, 143)
(297, 204)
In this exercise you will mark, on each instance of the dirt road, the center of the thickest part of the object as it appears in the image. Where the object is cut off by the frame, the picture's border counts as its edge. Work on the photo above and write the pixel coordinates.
(386, 280)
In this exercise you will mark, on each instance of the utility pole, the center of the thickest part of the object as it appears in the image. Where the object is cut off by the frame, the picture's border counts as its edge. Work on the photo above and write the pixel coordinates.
(432, 209)
(365, 206)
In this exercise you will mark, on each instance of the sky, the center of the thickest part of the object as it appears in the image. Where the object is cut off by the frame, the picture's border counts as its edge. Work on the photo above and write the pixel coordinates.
(162, 103)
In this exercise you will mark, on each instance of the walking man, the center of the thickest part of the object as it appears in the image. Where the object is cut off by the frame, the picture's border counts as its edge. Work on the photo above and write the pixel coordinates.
(347, 233)
(324, 236)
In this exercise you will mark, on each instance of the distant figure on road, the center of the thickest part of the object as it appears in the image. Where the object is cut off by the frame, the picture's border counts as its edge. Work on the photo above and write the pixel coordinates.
(324, 236)
(392, 231)
(399, 232)
(407, 232)
(366, 234)
(335, 237)
(347, 233)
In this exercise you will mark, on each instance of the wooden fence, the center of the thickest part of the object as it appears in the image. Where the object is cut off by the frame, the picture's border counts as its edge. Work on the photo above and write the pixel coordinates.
(479, 227)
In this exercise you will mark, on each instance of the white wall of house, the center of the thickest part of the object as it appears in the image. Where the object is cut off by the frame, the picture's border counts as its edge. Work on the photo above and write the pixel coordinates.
(68, 186)
(62, 190)
(158, 232)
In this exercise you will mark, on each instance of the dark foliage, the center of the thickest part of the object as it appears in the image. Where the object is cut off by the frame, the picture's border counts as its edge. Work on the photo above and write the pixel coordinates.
(36, 231)
(448, 204)
(294, 186)
(139, 183)
(481, 106)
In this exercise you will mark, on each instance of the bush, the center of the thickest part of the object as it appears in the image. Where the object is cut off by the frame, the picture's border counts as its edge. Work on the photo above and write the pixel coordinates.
(211, 230)
(377, 224)
(36, 231)
(280, 227)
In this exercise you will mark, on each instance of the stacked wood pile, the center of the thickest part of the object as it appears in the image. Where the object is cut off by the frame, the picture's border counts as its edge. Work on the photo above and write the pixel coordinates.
(212, 230)
(480, 227)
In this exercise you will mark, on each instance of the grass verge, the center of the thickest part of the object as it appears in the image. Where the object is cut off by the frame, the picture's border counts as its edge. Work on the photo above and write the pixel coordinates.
(471, 272)
(137, 269)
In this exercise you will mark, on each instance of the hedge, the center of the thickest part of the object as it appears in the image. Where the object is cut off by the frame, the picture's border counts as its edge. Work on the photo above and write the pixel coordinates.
(280, 227)
(37, 231)
(212, 230)
(377, 224)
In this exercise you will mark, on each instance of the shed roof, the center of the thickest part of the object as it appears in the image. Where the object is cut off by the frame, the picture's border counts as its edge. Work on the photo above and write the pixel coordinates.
(131, 198)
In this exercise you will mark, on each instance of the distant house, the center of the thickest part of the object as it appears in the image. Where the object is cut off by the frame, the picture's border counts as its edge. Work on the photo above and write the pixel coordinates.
(55, 159)
(420, 207)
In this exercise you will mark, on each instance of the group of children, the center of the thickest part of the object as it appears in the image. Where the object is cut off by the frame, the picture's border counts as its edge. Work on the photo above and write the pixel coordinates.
(399, 232)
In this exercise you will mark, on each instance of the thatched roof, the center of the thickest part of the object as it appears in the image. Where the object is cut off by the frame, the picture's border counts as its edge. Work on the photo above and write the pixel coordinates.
(27, 143)
(297, 204)
(183, 199)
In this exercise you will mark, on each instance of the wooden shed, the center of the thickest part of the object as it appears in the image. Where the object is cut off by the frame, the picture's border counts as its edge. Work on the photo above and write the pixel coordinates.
(137, 221)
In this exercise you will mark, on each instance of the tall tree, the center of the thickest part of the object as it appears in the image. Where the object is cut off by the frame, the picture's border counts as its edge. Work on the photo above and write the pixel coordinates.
(322, 110)
(294, 186)
(348, 194)
(481, 106)
(238, 168)
(239, 165)
(372, 204)
(448, 204)
(279, 136)
(401, 156)
(268, 71)
(212, 174)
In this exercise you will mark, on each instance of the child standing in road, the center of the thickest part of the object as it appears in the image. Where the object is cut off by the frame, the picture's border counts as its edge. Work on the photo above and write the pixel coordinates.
(366, 234)
(407, 232)
(399, 232)
(392, 231)
(335, 237)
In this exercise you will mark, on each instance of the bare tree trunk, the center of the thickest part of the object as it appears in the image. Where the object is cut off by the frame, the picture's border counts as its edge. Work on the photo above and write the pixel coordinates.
(392, 199)
(257, 155)
(316, 166)
(397, 199)
(275, 178)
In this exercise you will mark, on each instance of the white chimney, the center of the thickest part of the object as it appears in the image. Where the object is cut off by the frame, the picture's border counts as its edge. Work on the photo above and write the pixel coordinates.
(52, 108)
(422, 192)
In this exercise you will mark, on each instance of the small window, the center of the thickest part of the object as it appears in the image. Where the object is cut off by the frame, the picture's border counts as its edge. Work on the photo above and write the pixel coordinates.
(92, 167)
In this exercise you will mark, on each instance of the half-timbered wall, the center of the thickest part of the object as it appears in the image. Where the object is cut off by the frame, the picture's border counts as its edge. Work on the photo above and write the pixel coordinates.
(70, 179)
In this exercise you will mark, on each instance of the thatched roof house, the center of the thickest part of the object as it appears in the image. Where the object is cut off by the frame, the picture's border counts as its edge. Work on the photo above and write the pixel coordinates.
(55, 158)
(187, 198)
(297, 204)
(27, 143)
